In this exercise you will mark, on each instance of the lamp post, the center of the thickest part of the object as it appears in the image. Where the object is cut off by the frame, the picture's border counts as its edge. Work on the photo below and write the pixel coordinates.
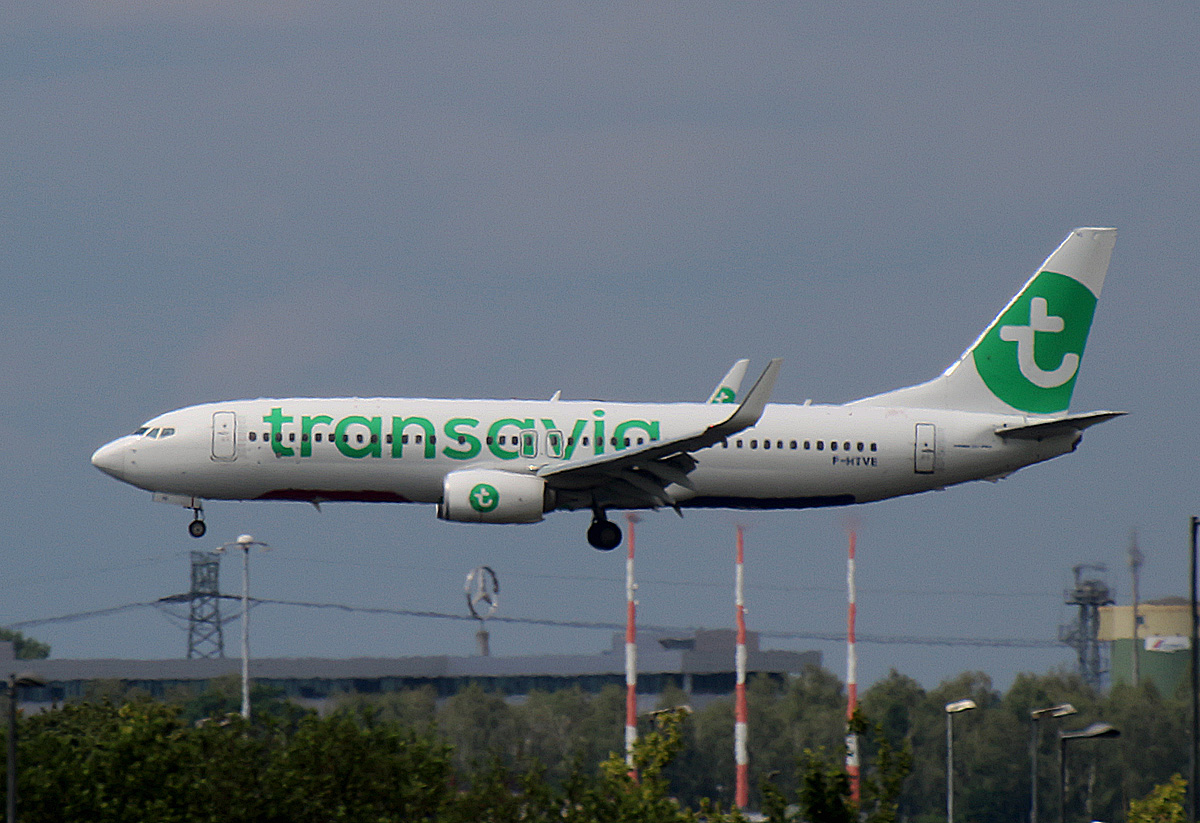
(1061, 710)
(245, 542)
(1096, 730)
(16, 681)
(951, 710)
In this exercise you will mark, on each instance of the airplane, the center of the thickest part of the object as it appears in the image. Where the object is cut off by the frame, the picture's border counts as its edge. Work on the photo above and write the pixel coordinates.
(1001, 406)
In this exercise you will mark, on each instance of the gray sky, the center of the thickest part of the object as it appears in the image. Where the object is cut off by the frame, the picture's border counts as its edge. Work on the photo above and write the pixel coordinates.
(207, 200)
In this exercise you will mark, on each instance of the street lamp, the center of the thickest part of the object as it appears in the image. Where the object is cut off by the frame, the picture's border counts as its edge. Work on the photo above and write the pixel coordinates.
(951, 710)
(245, 542)
(16, 681)
(1061, 710)
(1095, 730)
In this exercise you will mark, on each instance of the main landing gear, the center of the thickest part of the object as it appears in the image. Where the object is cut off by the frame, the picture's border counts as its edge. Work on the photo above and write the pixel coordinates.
(603, 534)
(197, 528)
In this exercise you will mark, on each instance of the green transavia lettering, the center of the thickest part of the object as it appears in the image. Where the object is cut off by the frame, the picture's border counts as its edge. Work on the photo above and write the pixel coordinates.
(465, 438)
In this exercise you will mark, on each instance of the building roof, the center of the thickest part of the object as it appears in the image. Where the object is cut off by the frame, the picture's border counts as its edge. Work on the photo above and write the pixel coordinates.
(702, 653)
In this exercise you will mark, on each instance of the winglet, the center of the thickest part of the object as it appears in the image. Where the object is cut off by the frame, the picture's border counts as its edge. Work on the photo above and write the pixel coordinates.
(751, 409)
(727, 390)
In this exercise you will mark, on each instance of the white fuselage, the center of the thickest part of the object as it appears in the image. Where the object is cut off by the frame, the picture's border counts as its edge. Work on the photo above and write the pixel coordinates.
(400, 450)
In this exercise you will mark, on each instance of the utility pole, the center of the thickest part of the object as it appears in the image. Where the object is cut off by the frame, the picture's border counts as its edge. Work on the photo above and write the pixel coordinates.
(741, 757)
(1089, 595)
(205, 636)
(1135, 566)
(630, 653)
(1194, 783)
(852, 763)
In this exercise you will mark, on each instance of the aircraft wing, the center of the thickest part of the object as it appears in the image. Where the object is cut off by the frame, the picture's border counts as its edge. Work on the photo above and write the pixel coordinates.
(639, 476)
(1062, 425)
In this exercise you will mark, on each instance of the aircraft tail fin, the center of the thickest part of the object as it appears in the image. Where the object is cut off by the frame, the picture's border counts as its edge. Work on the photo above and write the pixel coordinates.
(1027, 359)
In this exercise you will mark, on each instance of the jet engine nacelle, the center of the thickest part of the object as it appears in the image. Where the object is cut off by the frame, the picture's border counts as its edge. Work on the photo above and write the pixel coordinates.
(493, 496)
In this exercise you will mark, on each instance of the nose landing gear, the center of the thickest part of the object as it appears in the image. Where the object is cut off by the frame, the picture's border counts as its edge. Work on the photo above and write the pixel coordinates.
(603, 534)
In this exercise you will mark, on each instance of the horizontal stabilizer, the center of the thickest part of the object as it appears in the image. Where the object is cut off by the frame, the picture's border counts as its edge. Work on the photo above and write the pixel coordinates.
(1062, 425)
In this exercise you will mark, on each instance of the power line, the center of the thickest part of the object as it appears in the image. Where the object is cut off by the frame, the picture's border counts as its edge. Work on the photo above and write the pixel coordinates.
(705, 584)
(983, 642)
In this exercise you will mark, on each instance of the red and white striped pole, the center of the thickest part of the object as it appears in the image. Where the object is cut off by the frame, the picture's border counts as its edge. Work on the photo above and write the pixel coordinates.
(630, 654)
(851, 675)
(740, 756)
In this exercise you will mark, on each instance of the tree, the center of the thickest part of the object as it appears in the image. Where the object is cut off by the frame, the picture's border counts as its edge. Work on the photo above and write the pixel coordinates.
(25, 648)
(1164, 804)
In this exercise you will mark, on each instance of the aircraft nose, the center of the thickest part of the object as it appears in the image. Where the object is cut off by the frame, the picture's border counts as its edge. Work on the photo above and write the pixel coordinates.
(110, 459)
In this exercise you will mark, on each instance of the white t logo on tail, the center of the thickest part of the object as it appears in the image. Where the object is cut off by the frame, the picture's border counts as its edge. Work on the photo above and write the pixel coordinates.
(1039, 321)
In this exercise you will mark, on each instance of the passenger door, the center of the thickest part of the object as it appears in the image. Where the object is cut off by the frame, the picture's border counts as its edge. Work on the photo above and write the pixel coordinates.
(925, 449)
(224, 436)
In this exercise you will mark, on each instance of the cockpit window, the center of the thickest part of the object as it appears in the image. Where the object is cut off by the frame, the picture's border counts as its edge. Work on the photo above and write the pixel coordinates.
(152, 433)
(141, 431)
(165, 433)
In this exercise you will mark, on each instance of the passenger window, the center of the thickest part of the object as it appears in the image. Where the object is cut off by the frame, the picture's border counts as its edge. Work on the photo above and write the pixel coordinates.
(317, 437)
(754, 444)
(417, 438)
(387, 438)
(304, 437)
(360, 438)
(860, 446)
(374, 438)
(529, 444)
(626, 442)
(253, 436)
(585, 441)
(739, 444)
(501, 440)
(279, 437)
(724, 444)
(766, 444)
(807, 445)
(846, 446)
(641, 441)
(554, 443)
(872, 447)
(291, 437)
(833, 446)
(793, 445)
(820, 445)
(404, 438)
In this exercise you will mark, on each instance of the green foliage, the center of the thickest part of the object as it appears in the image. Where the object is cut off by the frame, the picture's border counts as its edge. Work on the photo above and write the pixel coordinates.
(559, 756)
(1164, 804)
(824, 790)
(139, 761)
(25, 648)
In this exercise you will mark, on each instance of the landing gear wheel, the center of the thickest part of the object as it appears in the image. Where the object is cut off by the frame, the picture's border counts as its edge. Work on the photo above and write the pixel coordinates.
(604, 535)
(197, 528)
